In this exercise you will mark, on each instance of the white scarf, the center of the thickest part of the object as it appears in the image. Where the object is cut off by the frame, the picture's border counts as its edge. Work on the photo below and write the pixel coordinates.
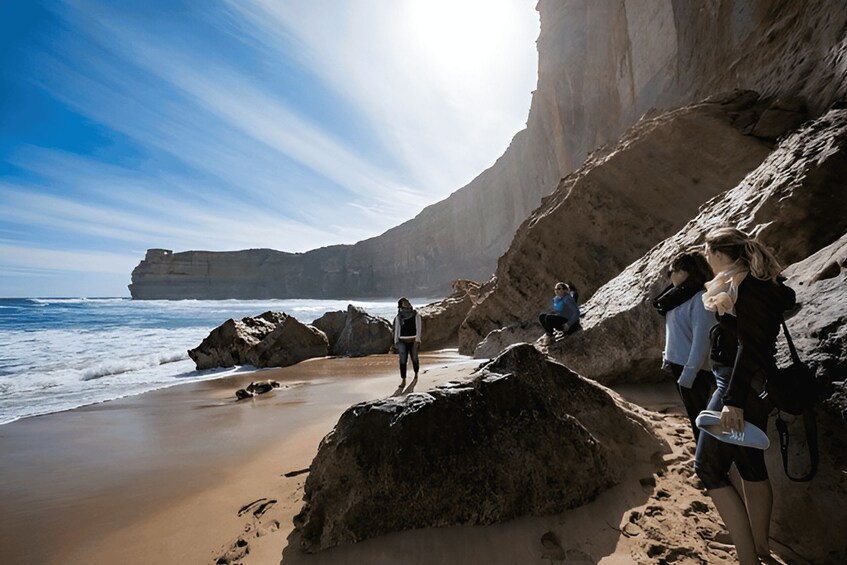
(722, 291)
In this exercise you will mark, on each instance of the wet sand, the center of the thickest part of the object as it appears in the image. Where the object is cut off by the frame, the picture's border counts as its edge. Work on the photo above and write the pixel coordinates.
(189, 475)
(160, 477)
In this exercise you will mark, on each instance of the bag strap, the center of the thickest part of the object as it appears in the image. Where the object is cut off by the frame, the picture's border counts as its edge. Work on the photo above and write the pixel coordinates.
(811, 425)
(791, 348)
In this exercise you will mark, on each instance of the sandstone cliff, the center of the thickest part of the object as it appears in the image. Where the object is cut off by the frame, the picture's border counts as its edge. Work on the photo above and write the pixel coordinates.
(794, 201)
(602, 65)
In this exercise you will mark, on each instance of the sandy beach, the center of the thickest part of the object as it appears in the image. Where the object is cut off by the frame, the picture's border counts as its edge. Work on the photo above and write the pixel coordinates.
(189, 475)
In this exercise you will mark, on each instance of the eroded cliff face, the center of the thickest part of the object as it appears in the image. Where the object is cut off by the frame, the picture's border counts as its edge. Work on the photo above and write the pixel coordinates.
(602, 65)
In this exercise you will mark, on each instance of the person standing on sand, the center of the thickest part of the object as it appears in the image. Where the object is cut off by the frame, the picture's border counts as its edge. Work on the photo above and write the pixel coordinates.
(749, 300)
(687, 325)
(564, 318)
(407, 336)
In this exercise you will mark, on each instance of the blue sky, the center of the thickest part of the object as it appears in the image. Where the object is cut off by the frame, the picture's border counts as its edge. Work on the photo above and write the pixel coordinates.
(234, 124)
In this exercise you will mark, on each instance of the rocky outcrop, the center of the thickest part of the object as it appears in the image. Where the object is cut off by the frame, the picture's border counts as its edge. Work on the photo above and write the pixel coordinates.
(363, 334)
(331, 324)
(602, 64)
(522, 436)
(819, 328)
(619, 204)
(441, 320)
(794, 201)
(272, 339)
(809, 516)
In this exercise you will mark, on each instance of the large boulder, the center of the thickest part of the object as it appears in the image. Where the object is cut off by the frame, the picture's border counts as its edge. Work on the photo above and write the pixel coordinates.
(522, 436)
(363, 334)
(441, 320)
(272, 339)
(622, 201)
(796, 203)
(332, 324)
(810, 517)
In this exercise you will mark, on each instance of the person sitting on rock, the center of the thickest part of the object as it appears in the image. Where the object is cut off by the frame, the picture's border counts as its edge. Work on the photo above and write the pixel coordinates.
(564, 318)
(407, 335)
(255, 388)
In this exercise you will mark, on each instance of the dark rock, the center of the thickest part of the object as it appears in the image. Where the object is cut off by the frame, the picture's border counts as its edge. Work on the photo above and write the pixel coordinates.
(809, 517)
(363, 334)
(522, 436)
(332, 324)
(272, 339)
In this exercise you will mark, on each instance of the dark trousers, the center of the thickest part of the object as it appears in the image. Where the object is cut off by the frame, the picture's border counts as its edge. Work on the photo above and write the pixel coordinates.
(696, 398)
(404, 350)
(551, 322)
(714, 457)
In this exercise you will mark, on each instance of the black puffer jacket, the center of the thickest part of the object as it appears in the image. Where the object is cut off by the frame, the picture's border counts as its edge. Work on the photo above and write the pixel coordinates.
(747, 341)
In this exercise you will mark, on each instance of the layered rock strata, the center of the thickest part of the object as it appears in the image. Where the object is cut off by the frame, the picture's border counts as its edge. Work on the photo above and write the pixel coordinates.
(795, 202)
(522, 436)
(619, 204)
(602, 65)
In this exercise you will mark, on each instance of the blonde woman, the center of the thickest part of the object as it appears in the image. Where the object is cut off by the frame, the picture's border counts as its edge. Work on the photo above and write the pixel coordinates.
(749, 301)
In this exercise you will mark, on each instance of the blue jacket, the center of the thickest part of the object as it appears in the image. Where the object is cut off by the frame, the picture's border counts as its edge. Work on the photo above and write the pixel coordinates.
(566, 307)
(687, 338)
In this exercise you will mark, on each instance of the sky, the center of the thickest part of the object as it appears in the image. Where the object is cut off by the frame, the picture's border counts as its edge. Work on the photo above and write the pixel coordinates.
(235, 124)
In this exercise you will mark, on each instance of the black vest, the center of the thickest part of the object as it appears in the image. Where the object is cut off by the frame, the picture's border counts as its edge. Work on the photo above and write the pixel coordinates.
(409, 327)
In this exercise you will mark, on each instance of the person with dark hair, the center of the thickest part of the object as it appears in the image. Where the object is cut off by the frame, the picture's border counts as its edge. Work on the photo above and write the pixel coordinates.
(564, 318)
(407, 336)
(572, 290)
(749, 299)
(687, 325)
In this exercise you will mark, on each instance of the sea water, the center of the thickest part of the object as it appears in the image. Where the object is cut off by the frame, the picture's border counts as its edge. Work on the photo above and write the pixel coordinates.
(58, 354)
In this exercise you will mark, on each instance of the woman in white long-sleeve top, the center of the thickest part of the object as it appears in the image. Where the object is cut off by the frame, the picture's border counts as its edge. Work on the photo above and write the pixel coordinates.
(407, 336)
(687, 326)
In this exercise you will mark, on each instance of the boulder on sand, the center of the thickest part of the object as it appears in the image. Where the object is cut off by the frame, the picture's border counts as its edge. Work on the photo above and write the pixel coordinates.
(272, 339)
(363, 334)
(332, 324)
(522, 436)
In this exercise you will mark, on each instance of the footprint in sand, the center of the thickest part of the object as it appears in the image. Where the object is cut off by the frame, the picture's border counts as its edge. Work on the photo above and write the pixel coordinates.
(241, 547)
(258, 507)
(552, 547)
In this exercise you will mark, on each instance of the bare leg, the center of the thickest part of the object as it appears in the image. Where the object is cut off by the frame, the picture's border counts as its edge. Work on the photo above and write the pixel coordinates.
(759, 498)
(734, 515)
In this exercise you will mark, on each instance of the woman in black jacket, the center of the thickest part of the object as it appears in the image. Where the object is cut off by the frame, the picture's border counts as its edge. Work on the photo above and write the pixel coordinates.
(749, 302)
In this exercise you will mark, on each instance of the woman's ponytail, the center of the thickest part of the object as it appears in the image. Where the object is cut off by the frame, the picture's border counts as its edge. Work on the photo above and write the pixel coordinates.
(763, 264)
(741, 247)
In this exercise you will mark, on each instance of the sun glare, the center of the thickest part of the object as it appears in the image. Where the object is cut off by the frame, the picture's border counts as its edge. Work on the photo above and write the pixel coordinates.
(463, 36)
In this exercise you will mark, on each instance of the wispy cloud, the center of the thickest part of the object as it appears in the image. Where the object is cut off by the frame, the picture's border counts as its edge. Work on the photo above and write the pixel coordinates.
(257, 123)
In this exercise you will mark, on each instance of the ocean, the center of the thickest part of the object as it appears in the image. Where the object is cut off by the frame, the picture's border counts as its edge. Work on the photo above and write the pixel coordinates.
(59, 354)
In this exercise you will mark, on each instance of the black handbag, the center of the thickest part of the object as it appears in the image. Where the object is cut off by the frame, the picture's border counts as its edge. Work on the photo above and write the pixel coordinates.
(793, 389)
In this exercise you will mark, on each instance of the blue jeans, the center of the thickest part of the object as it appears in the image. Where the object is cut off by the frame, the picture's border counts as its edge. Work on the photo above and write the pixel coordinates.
(714, 457)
